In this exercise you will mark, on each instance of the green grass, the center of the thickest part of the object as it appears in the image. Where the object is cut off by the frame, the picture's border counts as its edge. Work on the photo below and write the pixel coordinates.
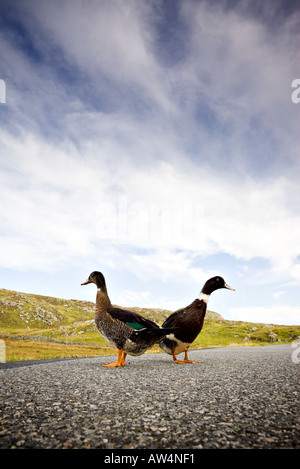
(24, 317)
(17, 350)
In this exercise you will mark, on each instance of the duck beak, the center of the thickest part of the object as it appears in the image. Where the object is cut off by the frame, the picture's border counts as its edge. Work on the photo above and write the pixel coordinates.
(228, 287)
(86, 282)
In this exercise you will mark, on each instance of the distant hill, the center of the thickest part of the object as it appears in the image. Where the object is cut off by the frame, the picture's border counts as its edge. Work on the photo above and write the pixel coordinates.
(35, 326)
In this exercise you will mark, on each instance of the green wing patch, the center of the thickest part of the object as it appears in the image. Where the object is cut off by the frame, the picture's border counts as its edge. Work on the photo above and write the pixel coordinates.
(135, 325)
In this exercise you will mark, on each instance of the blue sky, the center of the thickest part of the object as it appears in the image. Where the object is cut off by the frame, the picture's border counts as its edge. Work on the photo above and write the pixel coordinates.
(157, 142)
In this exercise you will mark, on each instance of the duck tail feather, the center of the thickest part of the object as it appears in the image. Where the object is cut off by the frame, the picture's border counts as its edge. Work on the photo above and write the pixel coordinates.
(156, 333)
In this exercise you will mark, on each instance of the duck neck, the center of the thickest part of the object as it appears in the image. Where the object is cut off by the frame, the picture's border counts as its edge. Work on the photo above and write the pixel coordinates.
(204, 297)
(102, 300)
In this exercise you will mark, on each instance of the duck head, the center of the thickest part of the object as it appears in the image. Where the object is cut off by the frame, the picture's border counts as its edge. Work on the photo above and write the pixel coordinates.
(213, 284)
(97, 278)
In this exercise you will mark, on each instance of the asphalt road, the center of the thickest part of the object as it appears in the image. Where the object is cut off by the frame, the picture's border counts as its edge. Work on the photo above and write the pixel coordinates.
(233, 398)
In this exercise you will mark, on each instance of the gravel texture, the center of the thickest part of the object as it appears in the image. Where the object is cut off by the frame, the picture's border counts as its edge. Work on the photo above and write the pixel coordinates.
(233, 398)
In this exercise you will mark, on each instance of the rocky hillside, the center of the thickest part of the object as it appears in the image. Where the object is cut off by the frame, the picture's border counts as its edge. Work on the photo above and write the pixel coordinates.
(23, 311)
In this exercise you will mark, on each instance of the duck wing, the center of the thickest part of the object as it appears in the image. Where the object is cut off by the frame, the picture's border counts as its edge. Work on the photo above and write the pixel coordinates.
(188, 321)
(131, 318)
(175, 319)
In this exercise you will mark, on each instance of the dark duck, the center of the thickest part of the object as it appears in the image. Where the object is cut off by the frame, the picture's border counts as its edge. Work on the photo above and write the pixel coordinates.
(129, 332)
(188, 321)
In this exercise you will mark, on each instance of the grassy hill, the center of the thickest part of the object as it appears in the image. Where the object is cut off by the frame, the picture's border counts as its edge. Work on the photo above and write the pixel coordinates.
(35, 326)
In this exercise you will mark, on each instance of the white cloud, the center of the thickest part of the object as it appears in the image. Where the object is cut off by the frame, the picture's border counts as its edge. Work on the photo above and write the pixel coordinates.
(273, 314)
(133, 297)
(111, 43)
(64, 207)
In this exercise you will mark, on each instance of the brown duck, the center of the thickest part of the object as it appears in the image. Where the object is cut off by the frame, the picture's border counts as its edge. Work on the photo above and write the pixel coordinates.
(129, 332)
(189, 322)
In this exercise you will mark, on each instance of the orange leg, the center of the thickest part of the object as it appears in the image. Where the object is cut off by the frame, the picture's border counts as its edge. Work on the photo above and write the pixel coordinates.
(120, 361)
(123, 359)
(186, 360)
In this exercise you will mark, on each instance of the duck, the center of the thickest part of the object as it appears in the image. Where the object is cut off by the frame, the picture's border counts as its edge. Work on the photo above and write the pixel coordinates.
(189, 321)
(125, 330)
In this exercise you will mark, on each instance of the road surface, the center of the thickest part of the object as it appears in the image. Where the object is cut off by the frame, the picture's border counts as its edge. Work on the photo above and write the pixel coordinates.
(246, 397)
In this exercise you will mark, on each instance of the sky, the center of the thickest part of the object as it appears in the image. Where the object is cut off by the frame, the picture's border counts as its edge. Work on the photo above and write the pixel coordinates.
(157, 142)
